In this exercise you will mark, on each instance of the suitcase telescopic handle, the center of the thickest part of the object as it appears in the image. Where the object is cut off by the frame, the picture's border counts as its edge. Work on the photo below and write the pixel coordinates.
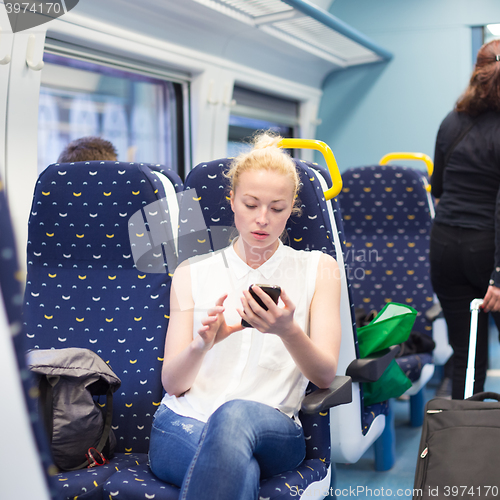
(475, 305)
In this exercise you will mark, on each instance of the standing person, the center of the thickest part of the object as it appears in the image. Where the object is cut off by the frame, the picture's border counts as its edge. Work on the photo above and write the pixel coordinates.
(465, 238)
(89, 148)
(230, 415)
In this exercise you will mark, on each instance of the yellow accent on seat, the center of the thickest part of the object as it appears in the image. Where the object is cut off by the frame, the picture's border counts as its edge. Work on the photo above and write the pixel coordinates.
(135, 193)
(141, 277)
(108, 320)
(133, 361)
(107, 194)
(80, 320)
(110, 236)
(82, 277)
(111, 277)
(157, 404)
(328, 155)
(46, 193)
(77, 194)
(409, 156)
(52, 275)
(297, 239)
(50, 234)
(197, 199)
(48, 317)
(137, 319)
(80, 236)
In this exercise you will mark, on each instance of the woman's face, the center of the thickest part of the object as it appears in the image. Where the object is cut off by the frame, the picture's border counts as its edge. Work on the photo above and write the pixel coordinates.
(262, 203)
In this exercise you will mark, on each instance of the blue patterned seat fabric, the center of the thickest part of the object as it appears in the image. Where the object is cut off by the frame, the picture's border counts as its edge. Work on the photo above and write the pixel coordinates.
(10, 286)
(84, 290)
(387, 224)
(206, 224)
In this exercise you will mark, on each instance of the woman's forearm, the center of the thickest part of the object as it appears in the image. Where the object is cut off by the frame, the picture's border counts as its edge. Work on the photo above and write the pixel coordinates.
(179, 372)
(318, 366)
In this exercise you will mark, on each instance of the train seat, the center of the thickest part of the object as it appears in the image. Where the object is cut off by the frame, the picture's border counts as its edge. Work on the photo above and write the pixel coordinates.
(210, 227)
(19, 395)
(84, 290)
(354, 428)
(387, 215)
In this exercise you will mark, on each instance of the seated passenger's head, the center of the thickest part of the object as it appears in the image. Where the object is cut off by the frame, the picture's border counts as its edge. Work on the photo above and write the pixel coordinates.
(264, 187)
(88, 149)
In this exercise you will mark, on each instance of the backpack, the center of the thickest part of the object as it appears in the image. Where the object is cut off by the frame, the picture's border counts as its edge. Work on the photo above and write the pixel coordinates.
(79, 433)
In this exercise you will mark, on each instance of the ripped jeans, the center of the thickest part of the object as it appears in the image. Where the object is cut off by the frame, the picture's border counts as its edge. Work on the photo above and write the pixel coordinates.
(224, 459)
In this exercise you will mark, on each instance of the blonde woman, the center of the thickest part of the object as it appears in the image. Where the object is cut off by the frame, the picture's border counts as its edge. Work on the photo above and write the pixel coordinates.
(230, 415)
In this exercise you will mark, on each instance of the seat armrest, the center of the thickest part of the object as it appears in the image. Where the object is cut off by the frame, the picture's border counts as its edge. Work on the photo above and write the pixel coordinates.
(339, 393)
(370, 369)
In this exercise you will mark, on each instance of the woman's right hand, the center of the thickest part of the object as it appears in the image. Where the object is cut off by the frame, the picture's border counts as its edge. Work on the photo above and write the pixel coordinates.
(215, 328)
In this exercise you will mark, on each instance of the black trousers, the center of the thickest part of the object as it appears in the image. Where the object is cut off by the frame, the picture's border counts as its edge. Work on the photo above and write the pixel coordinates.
(462, 261)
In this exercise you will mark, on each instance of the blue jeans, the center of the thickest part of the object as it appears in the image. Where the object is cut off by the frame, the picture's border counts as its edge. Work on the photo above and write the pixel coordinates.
(242, 442)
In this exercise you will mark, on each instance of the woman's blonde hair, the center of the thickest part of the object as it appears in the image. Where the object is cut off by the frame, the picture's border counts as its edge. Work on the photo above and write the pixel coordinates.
(266, 155)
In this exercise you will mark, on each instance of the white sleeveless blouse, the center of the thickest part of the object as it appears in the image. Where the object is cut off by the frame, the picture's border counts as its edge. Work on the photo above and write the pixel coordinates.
(249, 364)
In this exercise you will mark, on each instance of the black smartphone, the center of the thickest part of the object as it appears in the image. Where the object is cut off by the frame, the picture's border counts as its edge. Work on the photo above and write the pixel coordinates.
(272, 290)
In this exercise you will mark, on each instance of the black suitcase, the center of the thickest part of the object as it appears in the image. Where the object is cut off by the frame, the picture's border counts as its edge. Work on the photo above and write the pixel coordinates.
(459, 453)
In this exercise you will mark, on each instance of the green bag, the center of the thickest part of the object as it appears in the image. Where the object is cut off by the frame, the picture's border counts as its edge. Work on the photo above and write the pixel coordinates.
(391, 326)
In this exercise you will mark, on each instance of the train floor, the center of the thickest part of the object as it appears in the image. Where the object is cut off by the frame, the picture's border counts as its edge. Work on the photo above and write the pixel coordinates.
(362, 481)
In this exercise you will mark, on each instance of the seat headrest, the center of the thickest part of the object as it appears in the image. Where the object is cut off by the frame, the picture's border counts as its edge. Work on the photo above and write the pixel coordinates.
(81, 210)
(206, 218)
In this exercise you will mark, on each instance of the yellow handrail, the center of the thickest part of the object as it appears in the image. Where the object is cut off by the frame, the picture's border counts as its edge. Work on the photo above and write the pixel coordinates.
(409, 156)
(330, 160)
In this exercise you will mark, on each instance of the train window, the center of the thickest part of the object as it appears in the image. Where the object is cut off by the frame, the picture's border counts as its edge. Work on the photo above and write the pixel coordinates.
(491, 32)
(252, 111)
(140, 114)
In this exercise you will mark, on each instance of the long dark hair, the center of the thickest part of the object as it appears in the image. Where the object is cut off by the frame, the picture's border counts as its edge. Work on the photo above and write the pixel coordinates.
(483, 92)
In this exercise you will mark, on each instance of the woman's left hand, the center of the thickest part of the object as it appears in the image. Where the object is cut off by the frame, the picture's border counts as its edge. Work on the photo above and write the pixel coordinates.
(491, 301)
(277, 320)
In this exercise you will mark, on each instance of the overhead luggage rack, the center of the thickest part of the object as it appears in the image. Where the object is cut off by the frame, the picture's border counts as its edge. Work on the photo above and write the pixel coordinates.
(306, 26)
